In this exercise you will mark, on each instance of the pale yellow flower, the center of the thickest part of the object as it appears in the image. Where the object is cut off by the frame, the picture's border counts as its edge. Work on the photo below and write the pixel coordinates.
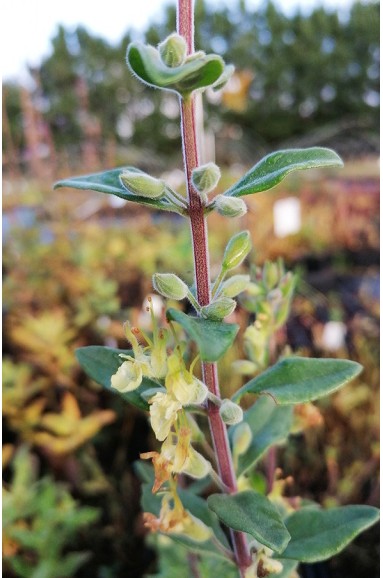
(263, 564)
(196, 466)
(184, 457)
(177, 520)
(177, 456)
(163, 414)
(127, 377)
(158, 354)
(181, 384)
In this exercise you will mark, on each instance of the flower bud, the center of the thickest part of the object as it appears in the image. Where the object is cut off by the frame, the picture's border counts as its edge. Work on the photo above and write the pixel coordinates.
(287, 284)
(230, 412)
(255, 289)
(173, 50)
(242, 437)
(218, 309)
(205, 178)
(236, 250)
(270, 274)
(142, 184)
(230, 206)
(244, 367)
(235, 285)
(170, 286)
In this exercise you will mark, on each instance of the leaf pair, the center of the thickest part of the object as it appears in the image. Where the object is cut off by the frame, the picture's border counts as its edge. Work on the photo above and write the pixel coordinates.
(290, 381)
(308, 535)
(197, 72)
(265, 175)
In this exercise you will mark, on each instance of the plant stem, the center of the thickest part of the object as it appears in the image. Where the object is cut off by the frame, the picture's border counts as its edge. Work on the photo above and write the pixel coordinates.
(193, 563)
(185, 27)
(218, 282)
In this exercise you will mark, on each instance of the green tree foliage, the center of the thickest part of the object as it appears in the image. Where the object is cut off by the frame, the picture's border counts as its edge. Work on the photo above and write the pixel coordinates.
(311, 71)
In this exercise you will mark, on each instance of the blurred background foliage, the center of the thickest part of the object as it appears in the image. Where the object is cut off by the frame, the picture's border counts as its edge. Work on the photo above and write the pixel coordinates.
(76, 265)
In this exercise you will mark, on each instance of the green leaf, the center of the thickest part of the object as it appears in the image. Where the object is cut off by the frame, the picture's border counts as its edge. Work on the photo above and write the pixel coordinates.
(273, 168)
(269, 424)
(252, 513)
(320, 534)
(109, 182)
(213, 338)
(100, 363)
(196, 72)
(301, 379)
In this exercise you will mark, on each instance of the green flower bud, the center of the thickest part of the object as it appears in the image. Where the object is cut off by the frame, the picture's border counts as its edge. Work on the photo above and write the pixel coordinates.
(230, 206)
(218, 309)
(244, 367)
(270, 274)
(282, 314)
(287, 284)
(142, 184)
(236, 250)
(170, 286)
(230, 412)
(205, 178)
(235, 285)
(242, 438)
(173, 50)
(255, 289)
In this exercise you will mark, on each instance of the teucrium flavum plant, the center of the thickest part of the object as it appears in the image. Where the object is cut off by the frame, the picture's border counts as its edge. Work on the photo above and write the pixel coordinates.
(158, 376)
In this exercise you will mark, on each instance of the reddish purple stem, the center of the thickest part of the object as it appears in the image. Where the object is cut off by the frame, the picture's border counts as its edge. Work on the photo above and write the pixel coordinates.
(185, 27)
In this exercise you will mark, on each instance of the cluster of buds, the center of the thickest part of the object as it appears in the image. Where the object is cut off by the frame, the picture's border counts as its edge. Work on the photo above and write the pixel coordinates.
(205, 179)
(171, 286)
(268, 296)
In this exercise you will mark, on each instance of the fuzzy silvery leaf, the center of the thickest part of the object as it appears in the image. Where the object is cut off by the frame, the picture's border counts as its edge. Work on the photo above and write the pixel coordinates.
(318, 534)
(254, 514)
(273, 168)
(213, 338)
(109, 182)
(300, 379)
(197, 72)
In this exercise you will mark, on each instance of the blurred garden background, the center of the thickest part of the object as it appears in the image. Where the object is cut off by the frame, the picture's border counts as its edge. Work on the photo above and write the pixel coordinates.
(77, 264)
